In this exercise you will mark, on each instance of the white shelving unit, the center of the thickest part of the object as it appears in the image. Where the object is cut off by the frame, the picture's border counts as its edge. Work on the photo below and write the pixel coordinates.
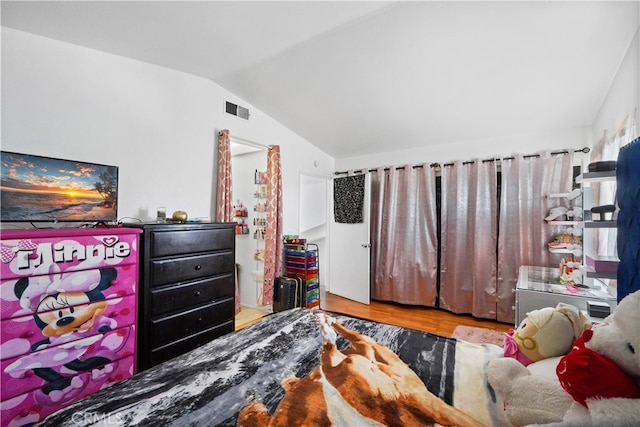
(576, 247)
(597, 270)
(259, 228)
(595, 295)
(587, 177)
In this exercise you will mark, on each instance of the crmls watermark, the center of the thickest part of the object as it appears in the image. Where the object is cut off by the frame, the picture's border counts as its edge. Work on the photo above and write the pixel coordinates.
(96, 418)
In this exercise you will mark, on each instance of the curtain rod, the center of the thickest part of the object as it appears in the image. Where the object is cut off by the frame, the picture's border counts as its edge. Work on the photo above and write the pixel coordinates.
(584, 150)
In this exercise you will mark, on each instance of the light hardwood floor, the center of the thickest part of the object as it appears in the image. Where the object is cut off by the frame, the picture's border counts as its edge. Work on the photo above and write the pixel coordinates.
(425, 319)
(247, 316)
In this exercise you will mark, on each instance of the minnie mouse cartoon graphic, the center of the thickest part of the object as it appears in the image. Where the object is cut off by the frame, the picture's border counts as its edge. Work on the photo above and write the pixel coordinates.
(70, 316)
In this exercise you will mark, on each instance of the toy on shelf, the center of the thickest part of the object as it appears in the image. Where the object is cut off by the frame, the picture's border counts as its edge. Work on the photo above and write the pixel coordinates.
(564, 213)
(566, 242)
(241, 227)
(239, 210)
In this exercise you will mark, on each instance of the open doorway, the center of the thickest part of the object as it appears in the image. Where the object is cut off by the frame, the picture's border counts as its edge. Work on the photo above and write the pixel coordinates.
(313, 214)
(248, 161)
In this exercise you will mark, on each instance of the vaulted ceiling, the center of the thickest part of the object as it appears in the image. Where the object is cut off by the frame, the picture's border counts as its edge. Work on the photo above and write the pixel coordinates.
(357, 77)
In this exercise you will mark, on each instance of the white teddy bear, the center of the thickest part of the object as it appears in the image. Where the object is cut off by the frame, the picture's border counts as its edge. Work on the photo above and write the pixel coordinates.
(534, 395)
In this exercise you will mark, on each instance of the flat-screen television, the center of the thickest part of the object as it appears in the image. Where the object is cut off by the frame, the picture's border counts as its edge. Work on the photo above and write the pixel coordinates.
(36, 189)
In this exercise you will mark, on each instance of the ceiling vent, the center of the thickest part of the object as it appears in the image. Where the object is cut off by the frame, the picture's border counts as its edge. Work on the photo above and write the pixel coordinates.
(236, 110)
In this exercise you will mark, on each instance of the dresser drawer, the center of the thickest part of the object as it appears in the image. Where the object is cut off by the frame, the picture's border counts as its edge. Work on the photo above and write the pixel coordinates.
(22, 335)
(33, 406)
(177, 348)
(30, 295)
(35, 370)
(179, 297)
(32, 254)
(171, 328)
(190, 267)
(165, 243)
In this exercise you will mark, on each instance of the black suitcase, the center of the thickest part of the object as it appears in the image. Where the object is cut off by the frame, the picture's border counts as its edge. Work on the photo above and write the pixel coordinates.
(287, 293)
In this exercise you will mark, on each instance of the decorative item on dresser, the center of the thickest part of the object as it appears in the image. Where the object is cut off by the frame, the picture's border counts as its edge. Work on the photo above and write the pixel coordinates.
(187, 288)
(69, 309)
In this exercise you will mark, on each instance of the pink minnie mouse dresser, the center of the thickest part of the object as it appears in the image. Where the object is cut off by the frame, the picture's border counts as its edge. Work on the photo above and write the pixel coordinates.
(69, 310)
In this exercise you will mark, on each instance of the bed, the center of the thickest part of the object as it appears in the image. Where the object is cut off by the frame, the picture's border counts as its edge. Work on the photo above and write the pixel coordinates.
(272, 368)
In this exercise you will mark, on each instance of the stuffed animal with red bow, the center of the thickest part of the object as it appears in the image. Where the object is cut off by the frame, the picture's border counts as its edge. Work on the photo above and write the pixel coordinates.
(602, 370)
(597, 383)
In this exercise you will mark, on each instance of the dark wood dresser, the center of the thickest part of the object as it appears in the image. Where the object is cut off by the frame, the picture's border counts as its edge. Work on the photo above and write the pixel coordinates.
(187, 288)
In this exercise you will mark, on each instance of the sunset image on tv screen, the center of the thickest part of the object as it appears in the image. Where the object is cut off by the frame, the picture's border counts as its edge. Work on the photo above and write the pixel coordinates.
(35, 188)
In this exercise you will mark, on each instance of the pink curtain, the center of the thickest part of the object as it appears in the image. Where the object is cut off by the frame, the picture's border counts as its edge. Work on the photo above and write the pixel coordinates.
(224, 197)
(404, 252)
(524, 235)
(469, 234)
(273, 237)
(224, 205)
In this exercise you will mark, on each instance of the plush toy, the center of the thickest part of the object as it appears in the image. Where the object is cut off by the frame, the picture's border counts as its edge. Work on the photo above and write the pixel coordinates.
(534, 395)
(583, 370)
(547, 332)
(531, 394)
(602, 370)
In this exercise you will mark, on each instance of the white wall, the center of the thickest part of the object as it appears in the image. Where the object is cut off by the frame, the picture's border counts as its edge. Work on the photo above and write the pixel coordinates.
(622, 98)
(624, 94)
(313, 202)
(158, 125)
(574, 138)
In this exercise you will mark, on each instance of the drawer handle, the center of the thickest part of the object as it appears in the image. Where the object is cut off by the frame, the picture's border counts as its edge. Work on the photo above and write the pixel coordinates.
(198, 293)
(198, 267)
(28, 373)
(199, 319)
(114, 314)
(27, 334)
